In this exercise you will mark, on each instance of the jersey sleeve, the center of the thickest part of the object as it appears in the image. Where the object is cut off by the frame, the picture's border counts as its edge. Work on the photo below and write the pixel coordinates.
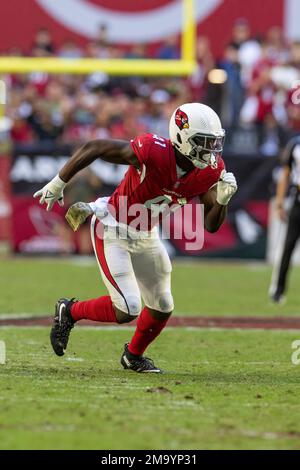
(221, 166)
(216, 174)
(141, 146)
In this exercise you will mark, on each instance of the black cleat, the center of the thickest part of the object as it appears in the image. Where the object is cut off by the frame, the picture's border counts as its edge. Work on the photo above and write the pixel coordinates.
(138, 363)
(277, 298)
(61, 326)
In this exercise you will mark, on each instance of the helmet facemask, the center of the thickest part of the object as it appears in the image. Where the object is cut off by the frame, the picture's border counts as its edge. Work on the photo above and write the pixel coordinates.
(205, 148)
(196, 132)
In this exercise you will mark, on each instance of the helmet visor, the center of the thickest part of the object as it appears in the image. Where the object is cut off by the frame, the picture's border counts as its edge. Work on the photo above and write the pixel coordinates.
(207, 143)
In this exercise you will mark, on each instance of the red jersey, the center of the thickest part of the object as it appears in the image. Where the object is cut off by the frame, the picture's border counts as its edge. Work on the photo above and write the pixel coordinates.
(156, 181)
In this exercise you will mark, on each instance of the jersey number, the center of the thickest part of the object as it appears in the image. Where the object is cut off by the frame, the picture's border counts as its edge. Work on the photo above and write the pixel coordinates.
(159, 141)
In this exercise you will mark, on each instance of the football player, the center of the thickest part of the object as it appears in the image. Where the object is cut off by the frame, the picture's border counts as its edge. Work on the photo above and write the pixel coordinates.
(161, 171)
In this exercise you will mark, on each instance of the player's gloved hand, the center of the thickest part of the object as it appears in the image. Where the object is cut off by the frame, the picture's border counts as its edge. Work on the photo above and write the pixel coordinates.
(78, 213)
(226, 188)
(52, 192)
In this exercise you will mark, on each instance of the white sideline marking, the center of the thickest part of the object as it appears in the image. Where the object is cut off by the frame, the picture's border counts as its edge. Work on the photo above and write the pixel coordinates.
(74, 359)
(225, 315)
(191, 263)
(169, 328)
(176, 406)
(21, 316)
(2, 352)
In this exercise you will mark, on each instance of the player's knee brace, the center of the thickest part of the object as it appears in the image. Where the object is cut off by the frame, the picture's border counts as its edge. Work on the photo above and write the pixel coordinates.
(165, 302)
(130, 310)
(134, 305)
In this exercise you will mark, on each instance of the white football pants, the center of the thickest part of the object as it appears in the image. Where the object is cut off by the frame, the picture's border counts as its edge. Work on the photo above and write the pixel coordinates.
(132, 269)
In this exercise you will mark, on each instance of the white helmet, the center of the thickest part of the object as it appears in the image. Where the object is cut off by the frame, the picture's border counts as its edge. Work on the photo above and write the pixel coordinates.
(196, 131)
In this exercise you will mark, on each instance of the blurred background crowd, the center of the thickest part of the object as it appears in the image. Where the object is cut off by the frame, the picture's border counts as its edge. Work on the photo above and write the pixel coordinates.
(249, 86)
(252, 83)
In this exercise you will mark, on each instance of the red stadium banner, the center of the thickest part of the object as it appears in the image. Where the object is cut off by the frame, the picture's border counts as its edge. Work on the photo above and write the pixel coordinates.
(138, 22)
(5, 199)
(38, 231)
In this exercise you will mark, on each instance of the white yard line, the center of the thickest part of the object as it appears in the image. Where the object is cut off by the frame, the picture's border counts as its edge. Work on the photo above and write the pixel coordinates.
(169, 328)
(22, 315)
(225, 315)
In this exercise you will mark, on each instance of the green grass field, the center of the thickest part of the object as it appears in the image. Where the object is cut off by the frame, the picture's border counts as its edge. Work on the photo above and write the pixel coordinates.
(206, 288)
(228, 389)
(222, 389)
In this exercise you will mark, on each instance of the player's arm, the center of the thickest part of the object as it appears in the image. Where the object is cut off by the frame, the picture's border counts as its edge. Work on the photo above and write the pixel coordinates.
(216, 201)
(282, 188)
(113, 151)
(214, 213)
(284, 180)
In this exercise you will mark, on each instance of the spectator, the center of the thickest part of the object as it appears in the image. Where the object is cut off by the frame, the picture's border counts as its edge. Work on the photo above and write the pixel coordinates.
(169, 49)
(263, 88)
(137, 52)
(205, 63)
(248, 48)
(276, 47)
(295, 55)
(21, 131)
(42, 122)
(97, 50)
(241, 32)
(272, 137)
(43, 43)
(234, 88)
(102, 35)
(75, 108)
(69, 50)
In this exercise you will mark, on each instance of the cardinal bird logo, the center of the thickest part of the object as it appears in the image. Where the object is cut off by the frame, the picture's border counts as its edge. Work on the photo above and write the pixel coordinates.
(181, 119)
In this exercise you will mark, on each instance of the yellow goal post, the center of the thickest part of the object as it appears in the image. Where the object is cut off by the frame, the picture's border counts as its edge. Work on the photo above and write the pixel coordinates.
(122, 67)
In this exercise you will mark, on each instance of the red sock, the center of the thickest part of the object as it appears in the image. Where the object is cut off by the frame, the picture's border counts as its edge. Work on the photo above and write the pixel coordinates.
(147, 329)
(100, 309)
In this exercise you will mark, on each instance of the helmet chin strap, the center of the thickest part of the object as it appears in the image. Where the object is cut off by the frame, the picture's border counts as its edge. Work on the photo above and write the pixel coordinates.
(202, 163)
(198, 164)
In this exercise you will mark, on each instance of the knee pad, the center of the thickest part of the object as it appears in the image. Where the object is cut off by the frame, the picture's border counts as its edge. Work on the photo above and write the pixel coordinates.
(134, 305)
(165, 302)
(128, 309)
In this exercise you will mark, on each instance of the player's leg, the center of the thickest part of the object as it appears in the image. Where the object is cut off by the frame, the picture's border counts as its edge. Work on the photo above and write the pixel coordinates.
(152, 267)
(281, 272)
(123, 303)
